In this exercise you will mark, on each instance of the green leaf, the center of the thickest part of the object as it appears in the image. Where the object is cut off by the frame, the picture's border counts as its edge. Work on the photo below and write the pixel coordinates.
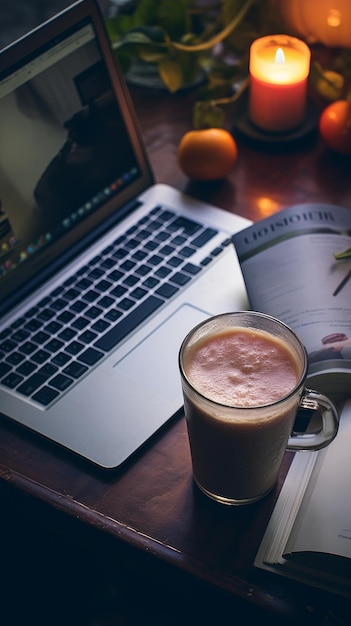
(171, 74)
(153, 33)
(172, 16)
(344, 254)
(117, 26)
(207, 115)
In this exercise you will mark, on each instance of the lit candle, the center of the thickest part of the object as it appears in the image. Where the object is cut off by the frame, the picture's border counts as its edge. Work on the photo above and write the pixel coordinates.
(279, 69)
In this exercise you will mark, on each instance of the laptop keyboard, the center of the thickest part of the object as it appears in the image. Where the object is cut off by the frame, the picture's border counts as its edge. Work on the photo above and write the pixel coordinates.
(58, 340)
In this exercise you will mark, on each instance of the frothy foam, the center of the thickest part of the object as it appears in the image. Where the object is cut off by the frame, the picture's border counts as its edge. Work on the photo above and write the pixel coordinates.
(242, 367)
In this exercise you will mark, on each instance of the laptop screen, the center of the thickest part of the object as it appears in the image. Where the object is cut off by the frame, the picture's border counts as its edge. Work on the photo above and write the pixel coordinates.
(65, 152)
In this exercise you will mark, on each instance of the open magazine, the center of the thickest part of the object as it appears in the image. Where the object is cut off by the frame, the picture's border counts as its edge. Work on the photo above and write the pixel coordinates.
(308, 537)
(297, 267)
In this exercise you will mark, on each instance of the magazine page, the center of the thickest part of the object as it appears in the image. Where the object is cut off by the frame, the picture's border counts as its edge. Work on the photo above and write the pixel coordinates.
(323, 523)
(291, 272)
(308, 536)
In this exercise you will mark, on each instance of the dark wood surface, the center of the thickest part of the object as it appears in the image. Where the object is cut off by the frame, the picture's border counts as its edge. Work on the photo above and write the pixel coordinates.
(148, 518)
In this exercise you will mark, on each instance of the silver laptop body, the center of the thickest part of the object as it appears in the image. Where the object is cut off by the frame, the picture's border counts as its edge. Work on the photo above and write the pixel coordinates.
(93, 310)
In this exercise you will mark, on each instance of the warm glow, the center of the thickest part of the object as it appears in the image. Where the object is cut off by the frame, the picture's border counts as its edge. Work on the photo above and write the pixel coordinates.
(280, 56)
(279, 59)
(334, 18)
(266, 206)
(279, 67)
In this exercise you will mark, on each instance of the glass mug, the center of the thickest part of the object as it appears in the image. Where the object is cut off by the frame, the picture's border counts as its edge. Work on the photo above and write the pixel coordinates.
(243, 380)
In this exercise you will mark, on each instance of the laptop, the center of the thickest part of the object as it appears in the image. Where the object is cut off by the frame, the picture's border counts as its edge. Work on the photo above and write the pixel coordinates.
(102, 271)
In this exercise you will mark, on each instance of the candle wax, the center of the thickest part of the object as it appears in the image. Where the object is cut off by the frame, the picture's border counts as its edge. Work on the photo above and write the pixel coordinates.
(279, 68)
(277, 108)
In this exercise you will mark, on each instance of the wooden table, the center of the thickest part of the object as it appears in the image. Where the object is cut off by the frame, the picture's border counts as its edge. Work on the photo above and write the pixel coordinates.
(148, 521)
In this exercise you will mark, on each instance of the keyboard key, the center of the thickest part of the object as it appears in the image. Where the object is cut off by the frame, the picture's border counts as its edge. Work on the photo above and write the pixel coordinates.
(139, 255)
(155, 259)
(40, 337)
(46, 395)
(90, 356)
(119, 291)
(105, 302)
(32, 384)
(163, 235)
(108, 263)
(84, 283)
(115, 275)
(12, 380)
(72, 294)
(41, 356)
(204, 237)
(175, 261)
(128, 265)
(53, 327)
(167, 250)
(103, 285)
(88, 336)
(100, 326)
(59, 304)
(75, 369)
(8, 345)
(91, 295)
(74, 347)
(178, 240)
(19, 336)
(60, 359)
(131, 280)
(187, 252)
(26, 368)
(126, 304)
(131, 244)
(4, 369)
(113, 315)
(121, 253)
(28, 347)
(187, 226)
(129, 323)
(15, 358)
(162, 272)
(180, 279)
(18, 323)
(65, 317)
(78, 306)
(143, 270)
(217, 251)
(151, 245)
(67, 334)
(167, 290)
(151, 282)
(46, 315)
(138, 293)
(61, 382)
(96, 273)
(93, 312)
(54, 345)
(192, 269)
(80, 323)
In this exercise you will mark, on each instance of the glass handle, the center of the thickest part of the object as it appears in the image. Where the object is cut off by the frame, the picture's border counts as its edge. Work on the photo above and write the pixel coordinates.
(313, 400)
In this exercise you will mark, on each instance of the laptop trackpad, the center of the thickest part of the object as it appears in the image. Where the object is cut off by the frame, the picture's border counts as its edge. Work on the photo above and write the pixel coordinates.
(153, 364)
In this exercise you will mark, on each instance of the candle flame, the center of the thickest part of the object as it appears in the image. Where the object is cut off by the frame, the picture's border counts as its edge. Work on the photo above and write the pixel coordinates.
(279, 56)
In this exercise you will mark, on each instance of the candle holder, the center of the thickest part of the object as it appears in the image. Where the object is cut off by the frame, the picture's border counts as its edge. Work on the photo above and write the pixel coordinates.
(244, 127)
(277, 111)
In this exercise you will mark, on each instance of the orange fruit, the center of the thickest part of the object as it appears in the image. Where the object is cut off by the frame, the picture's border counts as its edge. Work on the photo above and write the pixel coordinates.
(335, 126)
(207, 154)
